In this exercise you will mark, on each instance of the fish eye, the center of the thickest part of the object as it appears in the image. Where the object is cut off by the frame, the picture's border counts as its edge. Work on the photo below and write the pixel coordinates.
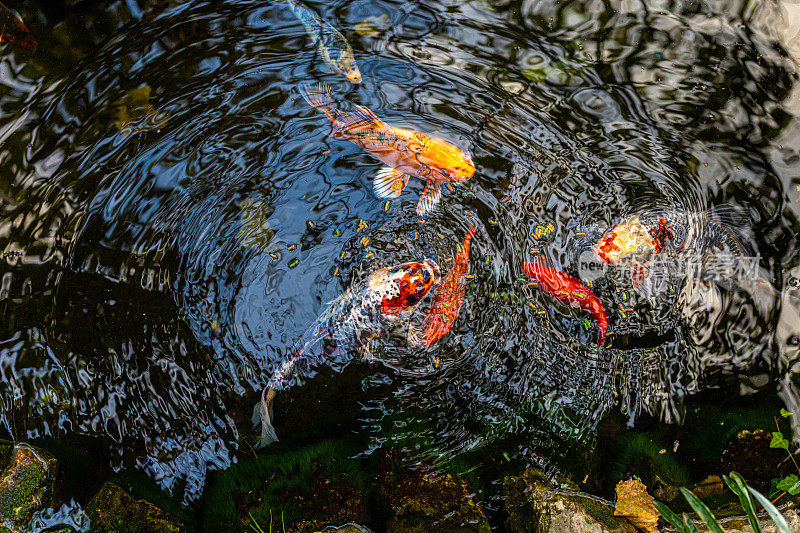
(426, 276)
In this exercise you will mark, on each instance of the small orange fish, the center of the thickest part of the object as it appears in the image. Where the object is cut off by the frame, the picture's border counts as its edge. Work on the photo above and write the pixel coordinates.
(450, 296)
(13, 30)
(406, 152)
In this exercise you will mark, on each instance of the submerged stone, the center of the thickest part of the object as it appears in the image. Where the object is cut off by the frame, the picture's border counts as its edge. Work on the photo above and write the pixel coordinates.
(423, 500)
(26, 483)
(114, 510)
(535, 505)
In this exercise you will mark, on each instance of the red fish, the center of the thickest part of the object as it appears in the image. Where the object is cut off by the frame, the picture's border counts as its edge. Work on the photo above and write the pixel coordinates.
(13, 30)
(569, 290)
(405, 152)
(450, 296)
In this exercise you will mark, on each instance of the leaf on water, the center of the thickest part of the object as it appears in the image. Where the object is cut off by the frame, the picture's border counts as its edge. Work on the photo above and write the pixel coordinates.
(636, 505)
(134, 113)
(373, 26)
(778, 441)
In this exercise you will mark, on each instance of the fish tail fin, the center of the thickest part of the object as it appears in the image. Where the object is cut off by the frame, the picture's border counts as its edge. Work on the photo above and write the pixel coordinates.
(261, 414)
(414, 337)
(725, 227)
(725, 237)
(320, 97)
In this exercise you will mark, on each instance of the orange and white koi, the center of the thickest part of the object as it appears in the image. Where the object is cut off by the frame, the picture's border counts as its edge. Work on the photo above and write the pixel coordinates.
(364, 312)
(405, 152)
(13, 30)
(449, 298)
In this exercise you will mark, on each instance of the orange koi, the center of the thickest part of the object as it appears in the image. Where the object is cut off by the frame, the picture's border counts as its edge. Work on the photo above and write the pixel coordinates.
(450, 296)
(405, 152)
(13, 30)
(569, 290)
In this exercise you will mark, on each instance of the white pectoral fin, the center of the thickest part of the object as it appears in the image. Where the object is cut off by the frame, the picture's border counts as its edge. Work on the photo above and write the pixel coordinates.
(389, 183)
(431, 195)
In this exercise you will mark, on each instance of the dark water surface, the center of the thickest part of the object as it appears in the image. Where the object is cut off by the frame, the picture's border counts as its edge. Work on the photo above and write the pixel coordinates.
(164, 249)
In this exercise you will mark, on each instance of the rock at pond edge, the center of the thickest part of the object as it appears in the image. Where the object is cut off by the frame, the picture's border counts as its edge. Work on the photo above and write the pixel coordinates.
(112, 510)
(421, 500)
(534, 505)
(26, 483)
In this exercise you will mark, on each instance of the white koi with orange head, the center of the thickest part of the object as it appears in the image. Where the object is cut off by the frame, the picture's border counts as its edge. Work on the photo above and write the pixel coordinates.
(364, 312)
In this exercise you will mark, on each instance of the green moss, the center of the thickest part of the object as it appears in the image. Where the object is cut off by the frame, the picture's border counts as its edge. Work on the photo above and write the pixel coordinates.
(112, 510)
(26, 484)
(141, 486)
(602, 513)
(639, 454)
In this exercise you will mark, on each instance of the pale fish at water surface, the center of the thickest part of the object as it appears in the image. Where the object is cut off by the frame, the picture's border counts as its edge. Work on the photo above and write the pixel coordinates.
(332, 45)
(642, 237)
(364, 312)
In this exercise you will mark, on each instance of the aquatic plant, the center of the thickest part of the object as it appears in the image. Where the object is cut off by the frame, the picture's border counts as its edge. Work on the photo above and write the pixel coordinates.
(255, 527)
(790, 483)
(744, 492)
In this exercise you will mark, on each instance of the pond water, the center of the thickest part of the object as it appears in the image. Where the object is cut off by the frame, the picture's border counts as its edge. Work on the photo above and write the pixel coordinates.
(174, 215)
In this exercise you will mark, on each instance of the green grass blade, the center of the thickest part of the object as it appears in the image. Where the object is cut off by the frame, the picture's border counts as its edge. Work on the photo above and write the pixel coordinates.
(671, 517)
(702, 511)
(255, 527)
(773, 512)
(739, 487)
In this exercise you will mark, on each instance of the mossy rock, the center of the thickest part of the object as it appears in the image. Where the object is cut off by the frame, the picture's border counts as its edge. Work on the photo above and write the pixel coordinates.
(113, 510)
(534, 504)
(422, 500)
(26, 483)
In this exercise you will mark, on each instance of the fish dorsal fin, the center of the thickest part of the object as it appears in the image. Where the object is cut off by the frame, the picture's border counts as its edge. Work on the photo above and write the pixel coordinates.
(362, 117)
